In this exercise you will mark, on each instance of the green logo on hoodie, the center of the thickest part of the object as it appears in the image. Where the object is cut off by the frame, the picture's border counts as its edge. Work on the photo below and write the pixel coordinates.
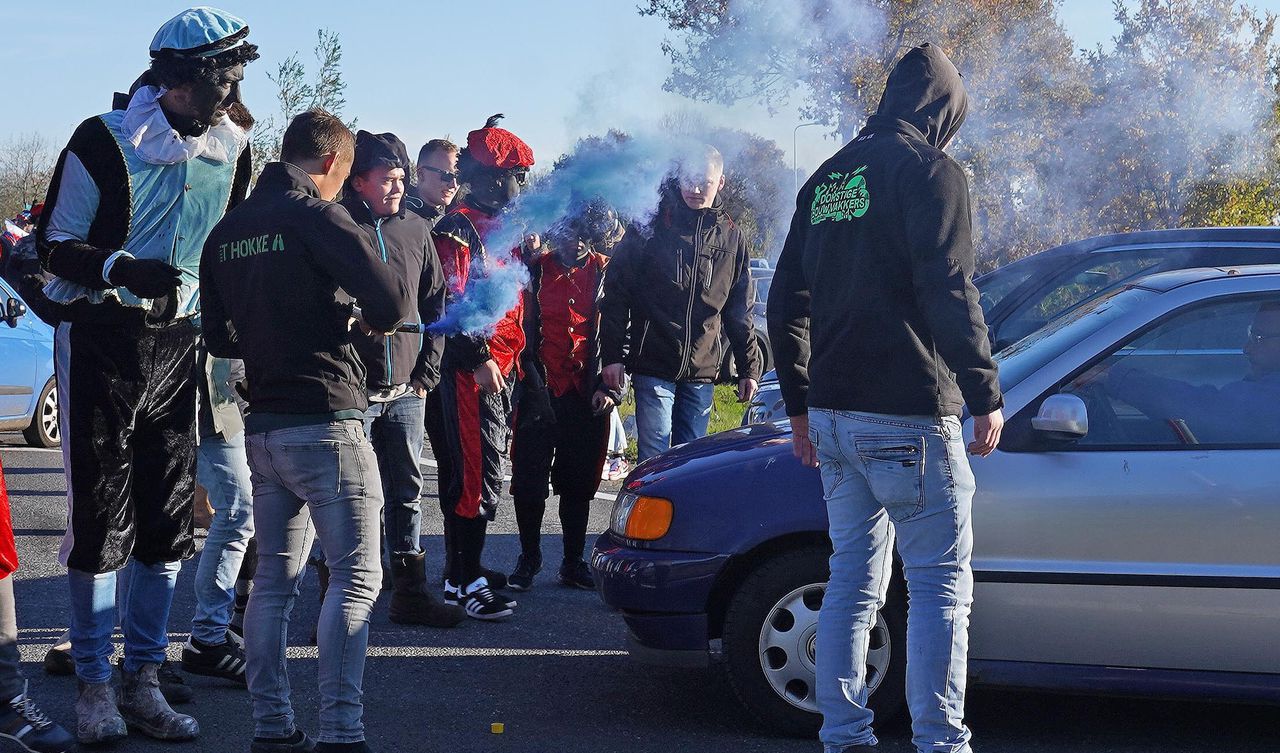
(845, 197)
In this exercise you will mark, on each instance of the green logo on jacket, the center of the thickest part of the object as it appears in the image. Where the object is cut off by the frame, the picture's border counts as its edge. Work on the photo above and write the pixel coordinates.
(246, 247)
(844, 197)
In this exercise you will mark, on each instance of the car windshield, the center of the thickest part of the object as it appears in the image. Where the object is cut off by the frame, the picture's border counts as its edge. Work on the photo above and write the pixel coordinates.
(1019, 360)
(995, 285)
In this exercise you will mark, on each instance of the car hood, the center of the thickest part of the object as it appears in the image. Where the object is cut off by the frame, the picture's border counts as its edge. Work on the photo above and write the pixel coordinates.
(760, 443)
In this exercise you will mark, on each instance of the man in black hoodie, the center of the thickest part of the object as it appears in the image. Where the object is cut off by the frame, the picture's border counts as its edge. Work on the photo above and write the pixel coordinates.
(664, 307)
(401, 369)
(876, 274)
(273, 274)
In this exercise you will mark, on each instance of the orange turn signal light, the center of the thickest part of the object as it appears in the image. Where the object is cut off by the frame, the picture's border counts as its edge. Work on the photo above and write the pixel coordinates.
(650, 518)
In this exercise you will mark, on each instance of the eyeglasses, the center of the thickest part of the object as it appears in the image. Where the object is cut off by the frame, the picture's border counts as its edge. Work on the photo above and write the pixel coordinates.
(445, 176)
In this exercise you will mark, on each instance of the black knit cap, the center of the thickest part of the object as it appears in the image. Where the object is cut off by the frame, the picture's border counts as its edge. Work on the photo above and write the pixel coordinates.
(379, 150)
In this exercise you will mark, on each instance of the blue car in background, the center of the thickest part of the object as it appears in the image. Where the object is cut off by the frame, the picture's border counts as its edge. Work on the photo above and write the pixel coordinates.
(28, 393)
(1115, 550)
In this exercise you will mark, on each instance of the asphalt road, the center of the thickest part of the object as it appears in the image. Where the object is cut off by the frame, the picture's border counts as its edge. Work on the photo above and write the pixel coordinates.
(556, 674)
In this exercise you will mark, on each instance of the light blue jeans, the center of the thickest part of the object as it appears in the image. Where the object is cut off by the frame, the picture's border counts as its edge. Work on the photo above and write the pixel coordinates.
(669, 413)
(145, 595)
(887, 477)
(320, 480)
(223, 470)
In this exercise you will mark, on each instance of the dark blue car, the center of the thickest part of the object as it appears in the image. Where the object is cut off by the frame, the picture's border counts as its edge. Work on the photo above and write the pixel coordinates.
(717, 550)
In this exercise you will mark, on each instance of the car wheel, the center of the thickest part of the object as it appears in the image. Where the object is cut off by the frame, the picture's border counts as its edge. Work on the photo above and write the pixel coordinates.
(45, 431)
(770, 635)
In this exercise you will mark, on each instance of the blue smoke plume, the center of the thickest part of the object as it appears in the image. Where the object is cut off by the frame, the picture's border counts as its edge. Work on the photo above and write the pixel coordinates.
(623, 170)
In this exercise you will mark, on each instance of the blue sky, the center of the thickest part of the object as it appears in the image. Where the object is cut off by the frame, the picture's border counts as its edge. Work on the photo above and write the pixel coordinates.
(579, 65)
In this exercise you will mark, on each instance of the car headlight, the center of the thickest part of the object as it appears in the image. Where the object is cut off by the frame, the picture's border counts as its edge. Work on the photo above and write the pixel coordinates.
(639, 517)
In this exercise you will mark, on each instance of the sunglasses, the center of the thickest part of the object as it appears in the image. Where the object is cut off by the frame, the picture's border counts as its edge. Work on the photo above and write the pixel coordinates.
(445, 176)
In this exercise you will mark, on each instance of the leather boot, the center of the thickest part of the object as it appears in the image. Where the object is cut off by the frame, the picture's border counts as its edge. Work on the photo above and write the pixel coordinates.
(98, 719)
(412, 602)
(144, 708)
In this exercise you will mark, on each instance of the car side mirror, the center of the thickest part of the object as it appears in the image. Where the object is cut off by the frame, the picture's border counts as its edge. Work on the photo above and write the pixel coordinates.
(13, 311)
(1062, 417)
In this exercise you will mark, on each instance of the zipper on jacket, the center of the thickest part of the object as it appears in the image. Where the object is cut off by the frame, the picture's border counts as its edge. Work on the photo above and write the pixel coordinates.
(386, 340)
(686, 358)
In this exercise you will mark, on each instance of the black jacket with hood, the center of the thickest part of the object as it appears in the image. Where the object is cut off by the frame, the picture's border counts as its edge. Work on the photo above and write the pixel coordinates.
(872, 306)
(665, 303)
(403, 242)
(270, 277)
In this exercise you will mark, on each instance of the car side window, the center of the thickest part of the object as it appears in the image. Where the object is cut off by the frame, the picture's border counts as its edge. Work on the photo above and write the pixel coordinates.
(1209, 375)
(1079, 286)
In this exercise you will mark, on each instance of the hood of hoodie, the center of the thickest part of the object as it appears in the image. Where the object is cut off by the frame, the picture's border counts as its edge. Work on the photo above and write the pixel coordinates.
(285, 176)
(925, 91)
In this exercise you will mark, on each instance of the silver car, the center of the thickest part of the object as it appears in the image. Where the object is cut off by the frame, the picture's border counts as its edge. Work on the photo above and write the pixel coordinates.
(1127, 530)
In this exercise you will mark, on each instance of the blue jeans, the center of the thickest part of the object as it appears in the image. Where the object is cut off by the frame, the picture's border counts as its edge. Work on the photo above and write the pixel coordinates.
(324, 476)
(396, 431)
(887, 477)
(146, 593)
(669, 413)
(223, 470)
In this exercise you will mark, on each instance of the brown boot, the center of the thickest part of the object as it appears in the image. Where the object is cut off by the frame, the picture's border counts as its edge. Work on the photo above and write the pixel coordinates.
(412, 602)
(144, 708)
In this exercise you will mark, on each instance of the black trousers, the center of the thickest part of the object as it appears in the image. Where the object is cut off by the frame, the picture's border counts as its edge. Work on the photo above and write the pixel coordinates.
(570, 455)
(127, 397)
(477, 430)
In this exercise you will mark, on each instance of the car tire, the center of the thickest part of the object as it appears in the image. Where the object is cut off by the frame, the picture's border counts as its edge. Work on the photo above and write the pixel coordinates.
(769, 593)
(45, 431)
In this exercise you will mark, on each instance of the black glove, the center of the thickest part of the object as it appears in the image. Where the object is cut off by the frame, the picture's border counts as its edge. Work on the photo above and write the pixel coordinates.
(535, 409)
(145, 278)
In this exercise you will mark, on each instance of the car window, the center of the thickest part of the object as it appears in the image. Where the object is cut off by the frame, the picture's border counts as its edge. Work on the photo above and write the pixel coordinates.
(1209, 375)
(993, 287)
(1079, 285)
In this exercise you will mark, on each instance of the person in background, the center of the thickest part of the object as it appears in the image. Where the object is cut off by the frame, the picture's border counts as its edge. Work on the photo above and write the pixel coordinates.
(562, 414)
(664, 308)
(479, 372)
(222, 468)
(400, 369)
(880, 345)
(133, 197)
(21, 720)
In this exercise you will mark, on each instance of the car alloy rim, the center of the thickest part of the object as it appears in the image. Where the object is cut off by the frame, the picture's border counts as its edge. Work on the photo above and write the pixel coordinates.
(49, 415)
(788, 646)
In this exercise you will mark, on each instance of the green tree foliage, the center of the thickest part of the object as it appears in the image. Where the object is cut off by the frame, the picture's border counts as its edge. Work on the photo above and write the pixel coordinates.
(1173, 126)
(296, 94)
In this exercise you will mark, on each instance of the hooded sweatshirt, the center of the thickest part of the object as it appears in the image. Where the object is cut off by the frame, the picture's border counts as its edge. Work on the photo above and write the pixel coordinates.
(872, 306)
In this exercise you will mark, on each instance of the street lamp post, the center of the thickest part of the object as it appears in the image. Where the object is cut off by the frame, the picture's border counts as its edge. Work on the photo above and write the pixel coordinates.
(795, 169)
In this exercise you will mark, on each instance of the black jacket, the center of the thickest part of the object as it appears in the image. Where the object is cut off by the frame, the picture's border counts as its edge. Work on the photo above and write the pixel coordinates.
(665, 304)
(872, 306)
(428, 212)
(269, 280)
(404, 242)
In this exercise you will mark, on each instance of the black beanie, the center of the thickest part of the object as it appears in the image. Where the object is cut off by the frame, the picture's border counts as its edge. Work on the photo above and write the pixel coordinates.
(379, 150)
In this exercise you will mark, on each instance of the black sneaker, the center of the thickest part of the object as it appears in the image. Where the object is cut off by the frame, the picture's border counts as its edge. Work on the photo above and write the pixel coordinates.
(497, 580)
(174, 689)
(453, 594)
(58, 660)
(24, 723)
(577, 574)
(481, 603)
(298, 742)
(526, 568)
(226, 660)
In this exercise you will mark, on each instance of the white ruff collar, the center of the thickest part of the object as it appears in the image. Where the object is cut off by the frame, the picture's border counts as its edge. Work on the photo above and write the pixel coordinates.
(146, 127)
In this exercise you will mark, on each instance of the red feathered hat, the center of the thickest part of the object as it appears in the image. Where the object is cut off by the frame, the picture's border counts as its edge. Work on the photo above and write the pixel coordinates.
(497, 147)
